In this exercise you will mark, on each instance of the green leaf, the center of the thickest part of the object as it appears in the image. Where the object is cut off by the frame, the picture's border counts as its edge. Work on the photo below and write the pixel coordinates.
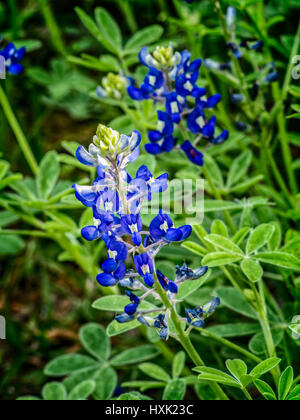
(11, 244)
(90, 25)
(116, 303)
(258, 345)
(285, 383)
(241, 235)
(115, 328)
(94, 339)
(219, 228)
(135, 355)
(54, 391)
(28, 398)
(224, 243)
(194, 248)
(279, 259)
(178, 364)
(4, 167)
(82, 391)
(237, 368)
(191, 286)
(64, 365)
(231, 298)
(48, 175)
(235, 330)
(129, 397)
(295, 393)
(106, 382)
(239, 168)
(276, 238)
(154, 372)
(217, 259)
(265, 390)
(109, 29)
(213, 168)
(215, 375)
(76, 378)
(144, 37)
(252, 270)
(265, 367)
(175, 390)
(260, 237)
(144, 385)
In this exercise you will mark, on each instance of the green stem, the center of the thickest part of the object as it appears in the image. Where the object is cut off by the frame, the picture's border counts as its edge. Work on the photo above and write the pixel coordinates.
(218, 196)
(185, 340)
(248, 396)
(16, 128)
(264, 321)
(53, 27)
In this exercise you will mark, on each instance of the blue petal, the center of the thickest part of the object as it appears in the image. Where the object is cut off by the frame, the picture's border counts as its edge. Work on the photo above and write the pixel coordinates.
(90, 233)
(84, 157)
(106, 280)
(109, 266)
(149, 280)
(122, 319)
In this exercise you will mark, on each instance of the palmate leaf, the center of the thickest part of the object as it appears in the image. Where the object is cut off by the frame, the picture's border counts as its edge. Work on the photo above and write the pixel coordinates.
(252, 270)
(239, 168)
(260, 237)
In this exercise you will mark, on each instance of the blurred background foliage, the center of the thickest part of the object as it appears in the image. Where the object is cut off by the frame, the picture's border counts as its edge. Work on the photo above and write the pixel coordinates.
(45, 298)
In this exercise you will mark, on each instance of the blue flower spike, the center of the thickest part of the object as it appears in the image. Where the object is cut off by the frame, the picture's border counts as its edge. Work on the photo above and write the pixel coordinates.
(171, 83)
(116, 200)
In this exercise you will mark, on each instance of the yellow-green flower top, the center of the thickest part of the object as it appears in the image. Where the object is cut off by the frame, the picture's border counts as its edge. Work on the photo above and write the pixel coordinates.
(165, 56)
(114, 85)
(106, 139)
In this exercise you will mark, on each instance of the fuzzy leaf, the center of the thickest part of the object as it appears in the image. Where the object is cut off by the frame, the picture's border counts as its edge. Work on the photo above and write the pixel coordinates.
(252, 270)
(94, 339)
(175, 390)
(260, 237)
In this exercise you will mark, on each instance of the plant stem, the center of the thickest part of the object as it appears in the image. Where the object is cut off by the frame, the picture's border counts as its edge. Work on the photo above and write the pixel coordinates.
(248, 396)
(218, 196)
(53, 27)
(16, 128)
(185, 340)
(264, 321)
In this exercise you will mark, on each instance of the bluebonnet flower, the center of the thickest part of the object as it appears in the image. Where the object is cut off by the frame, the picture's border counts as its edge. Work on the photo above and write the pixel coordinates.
(167, 284)
(161, 327)
(162, 227)
(145, 268)
(13, 57)
(185, 273)
(119, 224)
(132, 308)
(196, 317)
(171, 82)
(132, 224)
(192, 153)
